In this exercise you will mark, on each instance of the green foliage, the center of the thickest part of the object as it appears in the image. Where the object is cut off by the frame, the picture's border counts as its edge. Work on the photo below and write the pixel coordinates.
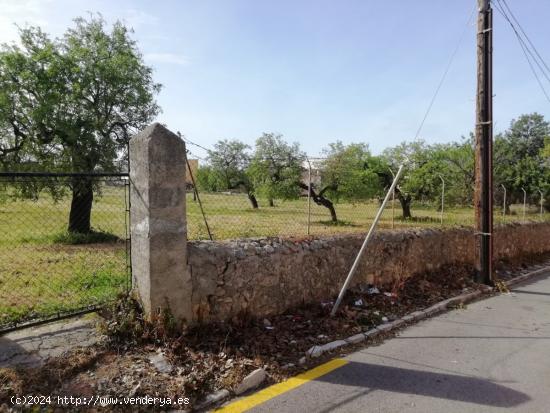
(228, 162)
(545, 152)
(207, 180)
(456, 163)
(520, 159)
(276, 167)
(419, 178)
(349, 173)
(429, 165)
(71, 103)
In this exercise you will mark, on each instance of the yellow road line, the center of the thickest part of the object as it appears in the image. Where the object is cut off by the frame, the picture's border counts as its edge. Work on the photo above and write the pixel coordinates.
(270, 392)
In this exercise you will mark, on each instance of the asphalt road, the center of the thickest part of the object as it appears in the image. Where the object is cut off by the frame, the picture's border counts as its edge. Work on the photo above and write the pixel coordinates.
(493, 356)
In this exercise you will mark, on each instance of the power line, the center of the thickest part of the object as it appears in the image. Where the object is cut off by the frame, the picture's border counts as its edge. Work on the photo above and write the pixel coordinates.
(195, 155)
(534, 55)
(525, 35)
(187, 140)
(428, 110)
(525, 49)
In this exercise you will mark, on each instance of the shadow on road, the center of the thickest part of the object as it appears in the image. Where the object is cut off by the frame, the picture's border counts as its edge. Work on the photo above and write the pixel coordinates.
(441, 385)
(12, 354)
(474, 337)
(530, 292)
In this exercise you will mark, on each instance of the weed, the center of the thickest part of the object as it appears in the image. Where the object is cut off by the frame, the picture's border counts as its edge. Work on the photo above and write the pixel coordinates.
(125, 324)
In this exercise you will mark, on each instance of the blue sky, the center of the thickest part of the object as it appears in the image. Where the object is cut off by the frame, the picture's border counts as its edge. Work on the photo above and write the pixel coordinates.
(315, 71)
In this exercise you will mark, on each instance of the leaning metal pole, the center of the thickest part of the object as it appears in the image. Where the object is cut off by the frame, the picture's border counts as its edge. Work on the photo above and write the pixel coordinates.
(365, 243)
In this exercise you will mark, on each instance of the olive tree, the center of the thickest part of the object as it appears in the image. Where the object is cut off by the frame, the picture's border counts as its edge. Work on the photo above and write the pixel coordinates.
(227, 169)
(72, 103)
(346, 175)
(276, 166)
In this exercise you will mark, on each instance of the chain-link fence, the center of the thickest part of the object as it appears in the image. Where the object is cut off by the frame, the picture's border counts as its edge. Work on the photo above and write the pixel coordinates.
(232, 215)
(63, 244)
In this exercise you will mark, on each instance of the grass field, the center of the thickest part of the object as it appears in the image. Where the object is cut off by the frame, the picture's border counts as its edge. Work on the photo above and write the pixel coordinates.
(231, 216)
(42, 273)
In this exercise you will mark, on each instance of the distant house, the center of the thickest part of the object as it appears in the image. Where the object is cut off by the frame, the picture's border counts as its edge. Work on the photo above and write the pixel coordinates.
(192, 169)
(315, 175)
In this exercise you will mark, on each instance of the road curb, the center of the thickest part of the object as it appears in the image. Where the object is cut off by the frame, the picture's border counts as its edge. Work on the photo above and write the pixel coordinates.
(440, 307)
(316, 351)
(526, 276)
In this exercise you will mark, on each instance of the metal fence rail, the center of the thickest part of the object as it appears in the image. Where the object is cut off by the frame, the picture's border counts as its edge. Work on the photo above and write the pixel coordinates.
(50, 266)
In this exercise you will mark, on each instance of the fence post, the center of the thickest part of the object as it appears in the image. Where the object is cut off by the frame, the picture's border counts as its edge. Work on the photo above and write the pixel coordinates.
(308, 197)
(442, 197)
(524, 202)
(541, 205)
(504, 204)
(392, 203)
(158, 223)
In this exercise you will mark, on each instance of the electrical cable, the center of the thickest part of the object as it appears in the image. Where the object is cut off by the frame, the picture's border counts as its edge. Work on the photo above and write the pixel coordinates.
(525, 35)
(449, 64)
(525, 49)
(432, 101)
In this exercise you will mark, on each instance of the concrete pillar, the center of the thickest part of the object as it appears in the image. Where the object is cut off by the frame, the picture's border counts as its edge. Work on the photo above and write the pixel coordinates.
(158, 223)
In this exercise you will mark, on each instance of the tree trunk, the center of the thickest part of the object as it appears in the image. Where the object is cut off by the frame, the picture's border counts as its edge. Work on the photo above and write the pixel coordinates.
(319, 199)
(330, 206)
(81, 206)
(253, 200)
(405, 202)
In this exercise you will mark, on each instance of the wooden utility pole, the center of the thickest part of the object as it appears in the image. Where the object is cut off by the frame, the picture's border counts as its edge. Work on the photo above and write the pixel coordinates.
(483, 198)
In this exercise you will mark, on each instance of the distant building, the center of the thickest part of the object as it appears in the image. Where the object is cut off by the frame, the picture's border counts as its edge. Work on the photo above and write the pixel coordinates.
(315, 175)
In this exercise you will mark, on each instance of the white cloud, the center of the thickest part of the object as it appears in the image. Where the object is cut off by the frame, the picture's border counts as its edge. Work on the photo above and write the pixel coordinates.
(171, 58)
(138, 18)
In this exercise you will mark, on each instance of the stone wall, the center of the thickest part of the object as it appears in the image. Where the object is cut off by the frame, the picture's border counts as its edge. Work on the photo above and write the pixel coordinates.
(207, 281)
(266, 276)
